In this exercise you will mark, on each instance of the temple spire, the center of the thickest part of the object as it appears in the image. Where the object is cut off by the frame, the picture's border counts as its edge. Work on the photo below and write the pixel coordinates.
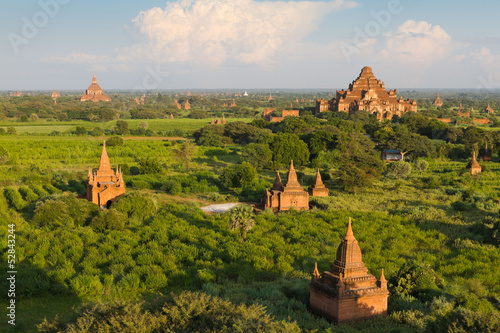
(94, 79)
(291, 181)
(349, 234)
(90, 172)
(318, 180)
(277, 182)
(382, 276)
(104, 162)
(315, 273)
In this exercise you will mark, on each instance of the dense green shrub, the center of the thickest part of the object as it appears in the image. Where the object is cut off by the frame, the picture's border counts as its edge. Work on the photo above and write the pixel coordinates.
(149, 166)
(114, 141)
(110, 219)
(136, 206)
(14, 198)
(238, 175)
(28, 194)
(186, 312)
(52, 214)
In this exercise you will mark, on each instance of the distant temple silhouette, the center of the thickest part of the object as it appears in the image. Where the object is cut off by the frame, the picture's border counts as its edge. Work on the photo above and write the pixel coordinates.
(94, 93)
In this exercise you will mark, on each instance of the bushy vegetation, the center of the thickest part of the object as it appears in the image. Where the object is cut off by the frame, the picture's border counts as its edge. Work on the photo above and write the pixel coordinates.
(432, 226)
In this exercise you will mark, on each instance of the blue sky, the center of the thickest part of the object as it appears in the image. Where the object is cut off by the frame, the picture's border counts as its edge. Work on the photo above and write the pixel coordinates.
(246, 44)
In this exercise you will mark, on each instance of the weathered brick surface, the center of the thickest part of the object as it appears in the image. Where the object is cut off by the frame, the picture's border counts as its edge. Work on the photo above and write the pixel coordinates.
(104, 186)
(283, 197)
(348, 292)
(367, 93)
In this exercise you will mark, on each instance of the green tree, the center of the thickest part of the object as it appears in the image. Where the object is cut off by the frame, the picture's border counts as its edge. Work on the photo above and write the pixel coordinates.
(241, 220)
(11, 131)
(114, 141)
(150, 166)
(399, 169)
(287, 147)
(80, 131)
(109, 219)
(62, 117)
(258, 155)
(97, 131)
(184, 152)
(421, 165)
(53, 213)
(238, 175)
(4, 155)
(121, 127)
(358, 165)
(415, 144)
(106, 114)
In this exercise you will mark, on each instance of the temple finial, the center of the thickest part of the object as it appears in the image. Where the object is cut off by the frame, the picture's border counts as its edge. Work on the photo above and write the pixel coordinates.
(315, 273)
(382, 276)
(349, 234)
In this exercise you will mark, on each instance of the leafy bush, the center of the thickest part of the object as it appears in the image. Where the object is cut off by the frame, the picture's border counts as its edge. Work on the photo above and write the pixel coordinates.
(238, 175)
(4, 155)
(399, 169)
(149, 166)
(136, 206)
(28, 194)
(172, 187)
(114, 141)
(14, 199)
(52, 214)
(110, 219)
(416, 279)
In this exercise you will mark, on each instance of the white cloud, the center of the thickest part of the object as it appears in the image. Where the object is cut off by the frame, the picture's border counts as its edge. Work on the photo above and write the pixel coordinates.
(417, 42)
(484, 57)
(222, 31)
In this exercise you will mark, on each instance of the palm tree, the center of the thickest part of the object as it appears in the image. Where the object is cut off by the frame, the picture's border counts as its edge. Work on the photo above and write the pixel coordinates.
(241, 220)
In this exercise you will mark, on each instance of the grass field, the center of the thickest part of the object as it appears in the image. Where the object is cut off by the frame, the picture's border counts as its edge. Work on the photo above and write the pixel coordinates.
(46, 127)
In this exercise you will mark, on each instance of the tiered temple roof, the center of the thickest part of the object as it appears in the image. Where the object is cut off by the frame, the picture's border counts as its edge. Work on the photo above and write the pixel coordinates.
(104, 186)
(318, 189)
(285, 196)
(348, 292)
(94, 93)
(473, 165)
(438, 101)
(367, 93)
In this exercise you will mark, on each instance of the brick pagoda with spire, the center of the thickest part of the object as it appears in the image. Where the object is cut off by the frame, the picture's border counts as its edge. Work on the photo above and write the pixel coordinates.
(348, 292)
(55, 95)
(473, 165)
(94, 93)
(104, 186)
(367, 93)
(438, 101)
(318, 189)
(489, 109)
(283, 197)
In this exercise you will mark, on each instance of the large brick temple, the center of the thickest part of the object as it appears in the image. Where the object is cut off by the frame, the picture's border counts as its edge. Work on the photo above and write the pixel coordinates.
(368, 93)
(348, 292)
(94, 93)
(104, 186)
(283, 197)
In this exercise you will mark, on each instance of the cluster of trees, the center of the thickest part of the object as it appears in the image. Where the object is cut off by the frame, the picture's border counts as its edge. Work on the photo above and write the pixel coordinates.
(137, 247)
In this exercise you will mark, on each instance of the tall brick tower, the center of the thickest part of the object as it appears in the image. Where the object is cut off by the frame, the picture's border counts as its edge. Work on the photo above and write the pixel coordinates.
(104, 186)
(348, 292)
